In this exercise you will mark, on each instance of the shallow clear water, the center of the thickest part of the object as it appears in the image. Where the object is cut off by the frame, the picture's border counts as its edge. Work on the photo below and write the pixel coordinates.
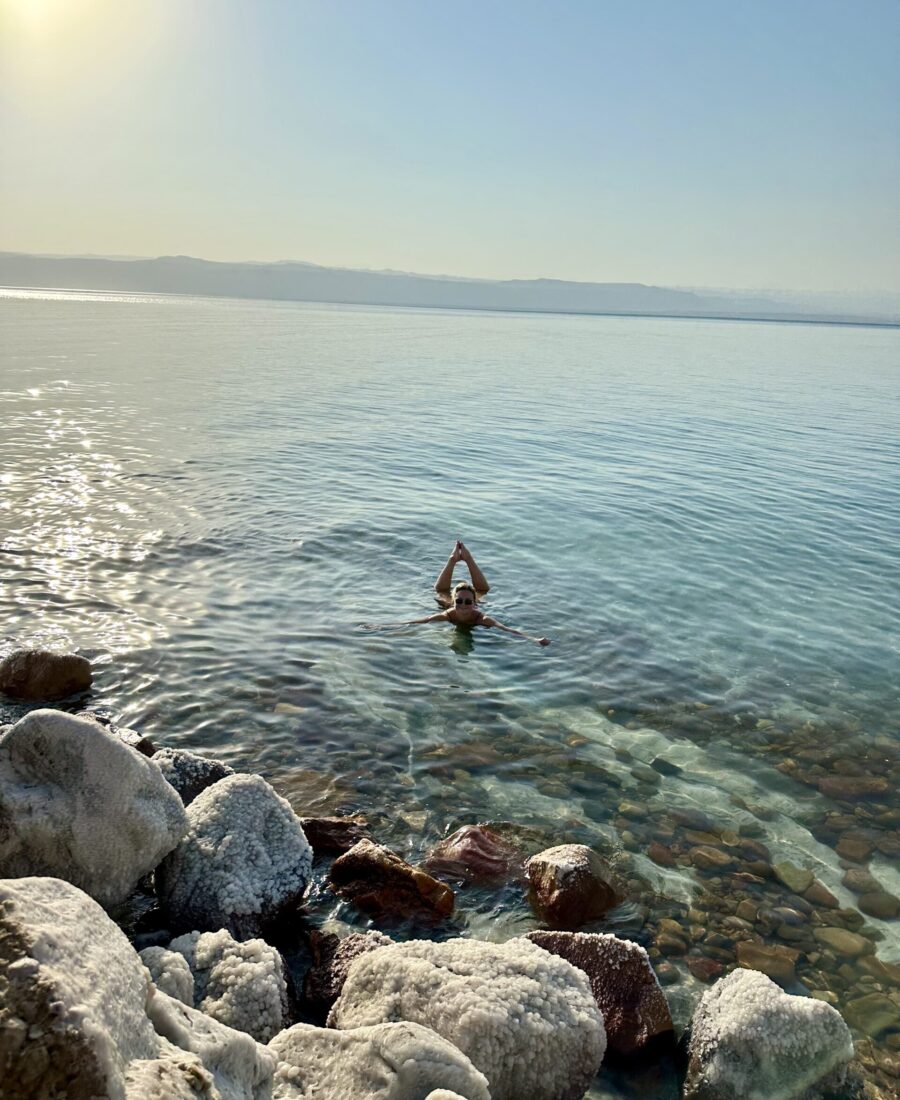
(209, 498)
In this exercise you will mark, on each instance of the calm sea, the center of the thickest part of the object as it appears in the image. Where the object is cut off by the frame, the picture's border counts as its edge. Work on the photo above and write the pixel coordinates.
(208, 498)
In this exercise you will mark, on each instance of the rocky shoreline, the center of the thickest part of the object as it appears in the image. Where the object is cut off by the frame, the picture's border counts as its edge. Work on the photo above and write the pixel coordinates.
(203, 995)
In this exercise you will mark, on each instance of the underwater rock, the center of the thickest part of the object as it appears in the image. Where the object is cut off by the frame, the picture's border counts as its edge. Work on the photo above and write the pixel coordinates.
(879, 903)
(474, 853)
(774, 960)
(332, 957)
(73, 994)
(854, 846)
(238, 984)
(78, 804)
(794, 878)
(847, 788)
(244, 861)
(378, 881)
(334, 835)
(820, 895)
(751, 1041)
(392, 1061)
(188, 772)
(873, 1014)
(634, 1008)
(707, 858)
(844, 943)
(525, 1018)
(661, 855)
(571, 885)
(37, 675)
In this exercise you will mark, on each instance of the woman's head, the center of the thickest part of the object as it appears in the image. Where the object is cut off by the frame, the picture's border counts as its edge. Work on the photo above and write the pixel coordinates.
(464, 600)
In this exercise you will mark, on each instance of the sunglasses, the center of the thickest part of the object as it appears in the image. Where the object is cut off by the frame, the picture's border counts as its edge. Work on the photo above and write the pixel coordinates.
(464, 603)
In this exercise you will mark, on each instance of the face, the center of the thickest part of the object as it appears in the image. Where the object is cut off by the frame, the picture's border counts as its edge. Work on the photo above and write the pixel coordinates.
(464, 603)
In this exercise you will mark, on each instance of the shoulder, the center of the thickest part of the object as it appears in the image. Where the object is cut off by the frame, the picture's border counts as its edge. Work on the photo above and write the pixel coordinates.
(486, 620)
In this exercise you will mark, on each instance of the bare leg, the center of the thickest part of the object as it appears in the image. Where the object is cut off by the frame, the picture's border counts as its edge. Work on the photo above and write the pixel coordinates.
(478, 578)
(445, 578)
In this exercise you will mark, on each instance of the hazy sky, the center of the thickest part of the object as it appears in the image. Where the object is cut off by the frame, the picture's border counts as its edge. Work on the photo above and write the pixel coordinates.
(700, 142)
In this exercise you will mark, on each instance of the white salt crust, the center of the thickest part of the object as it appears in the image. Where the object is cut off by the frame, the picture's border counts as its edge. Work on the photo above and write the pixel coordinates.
(525, 1018)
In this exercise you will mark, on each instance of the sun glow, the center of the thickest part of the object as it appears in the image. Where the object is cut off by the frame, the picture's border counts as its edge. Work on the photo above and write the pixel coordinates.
(36, 17)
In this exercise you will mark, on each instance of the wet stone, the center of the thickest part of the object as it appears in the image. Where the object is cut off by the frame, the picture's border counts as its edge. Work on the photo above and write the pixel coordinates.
(879, 904)
(774, 960)
(644, 774)
(693, 819)
(853, 789)
(794, 878)
(854, 846)
(570, 885)
(821, 896)
(665, 767)
(334, 835)
(704, 969)
(707, 858)
(842, 942)
(860, 881)
(662, 855)
(872, 1014)
(475, 853)
(378, 881)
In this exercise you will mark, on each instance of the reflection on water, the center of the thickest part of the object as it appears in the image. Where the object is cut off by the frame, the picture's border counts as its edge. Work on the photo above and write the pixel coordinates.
(208, 498)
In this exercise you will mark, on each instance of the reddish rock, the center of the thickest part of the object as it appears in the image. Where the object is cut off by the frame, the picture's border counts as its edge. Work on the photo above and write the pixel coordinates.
(662, 855)
(331, 836)
(39, 675)
(475, 853)
(332, 957)
(879, 903)
(703, 969)
(856, 847)
(710, 859)
(848, 788)
(378, 881)
(860, 881)
(571, 885)
(625, 988)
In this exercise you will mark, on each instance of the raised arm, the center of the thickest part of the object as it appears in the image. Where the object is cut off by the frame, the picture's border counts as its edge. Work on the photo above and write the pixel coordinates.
(489, 622)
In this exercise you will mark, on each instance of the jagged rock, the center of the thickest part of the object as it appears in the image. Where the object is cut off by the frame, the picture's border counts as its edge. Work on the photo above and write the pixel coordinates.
(525, 1018)
(332, 957)
(72, 995)
(240, 1068)
(474, 853)
(77, 803)
(238, 984)
(751, 1041)
(41, 676)
(170, 973)
(244, 861)
(635, 1012)
(188, 772)
(571, 885)
(334, 835)
(395, 1061)
(81, 1020)
(378, 881)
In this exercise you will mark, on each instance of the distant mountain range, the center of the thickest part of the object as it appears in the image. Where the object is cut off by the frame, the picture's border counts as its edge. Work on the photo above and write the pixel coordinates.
(296, 281)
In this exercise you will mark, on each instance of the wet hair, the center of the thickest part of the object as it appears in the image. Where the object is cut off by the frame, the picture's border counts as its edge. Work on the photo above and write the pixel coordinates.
(463, 586)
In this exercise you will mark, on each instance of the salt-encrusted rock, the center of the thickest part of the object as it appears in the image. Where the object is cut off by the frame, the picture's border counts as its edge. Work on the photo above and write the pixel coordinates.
(72, 995)
(475, 853)
(571, 885)
(635, 1012)
(170, 973)
(397, 1061)
(333, 835)
(42, 676)
(238, 984)
(332, 957)
(378, 881)
(243, 862)
(77, 803)
(188, 772)
(241, 1068)
(525, 1018)
(751, 1041)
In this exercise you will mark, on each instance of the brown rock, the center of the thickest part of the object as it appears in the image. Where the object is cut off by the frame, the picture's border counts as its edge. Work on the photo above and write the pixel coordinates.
(38, 674)
(842, 942)
(884, 972)
(474, 853)
(854, 846)
(710, 859)
(872, 1014)
(662, 855)
(703, 969)
(333, 835)
(774, 960)
(571, 885)
(693, 819)
(860, 881)
(332, 957)
(625, 988)
(378, 881)
(747, 910)
(669, 944)
(820, 895)
(793, 877)
(880, 904)
(846, 788)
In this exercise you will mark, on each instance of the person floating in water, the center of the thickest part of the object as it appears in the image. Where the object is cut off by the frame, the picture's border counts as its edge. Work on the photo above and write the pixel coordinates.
(460, 600)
